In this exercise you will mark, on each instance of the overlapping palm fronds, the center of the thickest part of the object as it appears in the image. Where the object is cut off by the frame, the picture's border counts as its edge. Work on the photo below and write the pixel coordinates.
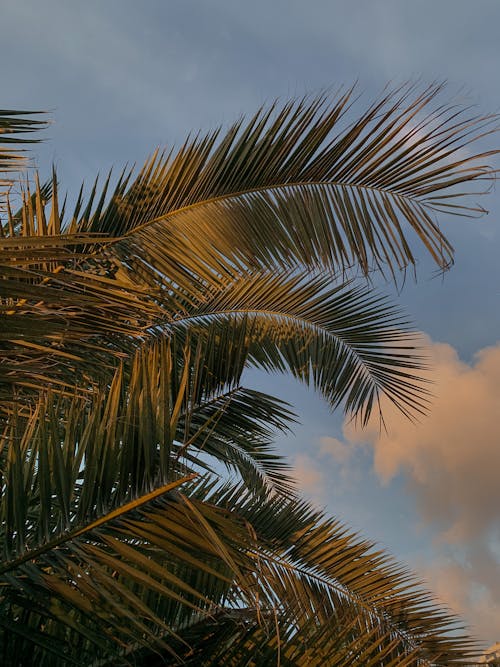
(343, 339)
(106, 560)
(126, 330)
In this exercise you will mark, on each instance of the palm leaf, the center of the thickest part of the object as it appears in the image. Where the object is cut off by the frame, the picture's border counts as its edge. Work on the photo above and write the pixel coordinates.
(91, 535)
(127, 331)
(346, 342)
(89, 593)
(321, 571)
(73, 458)
(297, 186)
(349, 343)
(182, 558)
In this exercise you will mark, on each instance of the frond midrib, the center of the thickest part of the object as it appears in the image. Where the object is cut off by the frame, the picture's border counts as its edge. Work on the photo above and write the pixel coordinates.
(407, 637)
(269, 188)
(317, 328)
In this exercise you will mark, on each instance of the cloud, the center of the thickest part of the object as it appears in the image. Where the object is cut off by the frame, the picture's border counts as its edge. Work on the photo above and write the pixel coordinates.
(451, 464)
(315, 477)
(340, 451)
(310, 478)
(452, 458)
(456, 584)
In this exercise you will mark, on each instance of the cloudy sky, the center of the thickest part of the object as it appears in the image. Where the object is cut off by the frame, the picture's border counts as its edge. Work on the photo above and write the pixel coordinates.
(122, 77)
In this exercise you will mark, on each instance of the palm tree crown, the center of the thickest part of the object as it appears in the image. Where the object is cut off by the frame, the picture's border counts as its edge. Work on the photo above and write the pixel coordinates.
(126, 329)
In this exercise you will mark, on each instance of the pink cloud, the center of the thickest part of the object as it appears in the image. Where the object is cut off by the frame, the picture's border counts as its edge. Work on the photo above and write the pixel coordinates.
(310, 478)
(451, 462)
(452, 457)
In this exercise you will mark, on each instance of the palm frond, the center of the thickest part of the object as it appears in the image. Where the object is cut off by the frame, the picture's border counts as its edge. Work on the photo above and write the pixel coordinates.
(90, 535)
(72, 458)
(149, 575)
(100, 587)
(320, 570)
(55, 318)
(15, 128)
(125, 335)
(297, 185)
(348, 342)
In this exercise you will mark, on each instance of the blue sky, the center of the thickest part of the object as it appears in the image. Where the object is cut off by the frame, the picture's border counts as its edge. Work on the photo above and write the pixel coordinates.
(123, 77)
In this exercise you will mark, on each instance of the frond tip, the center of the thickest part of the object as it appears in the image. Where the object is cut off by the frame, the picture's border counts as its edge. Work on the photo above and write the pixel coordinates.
(15, 130)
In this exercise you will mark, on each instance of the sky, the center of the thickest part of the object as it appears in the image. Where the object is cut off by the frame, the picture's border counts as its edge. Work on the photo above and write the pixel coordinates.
(121, 78)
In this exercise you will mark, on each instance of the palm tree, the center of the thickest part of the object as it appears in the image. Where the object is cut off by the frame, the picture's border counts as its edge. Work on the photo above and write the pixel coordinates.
(126, 330)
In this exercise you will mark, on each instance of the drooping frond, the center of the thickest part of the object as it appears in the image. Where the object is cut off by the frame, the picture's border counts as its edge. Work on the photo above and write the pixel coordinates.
(322, 572)
(301, 184)
(349, 343)
(66, 322)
